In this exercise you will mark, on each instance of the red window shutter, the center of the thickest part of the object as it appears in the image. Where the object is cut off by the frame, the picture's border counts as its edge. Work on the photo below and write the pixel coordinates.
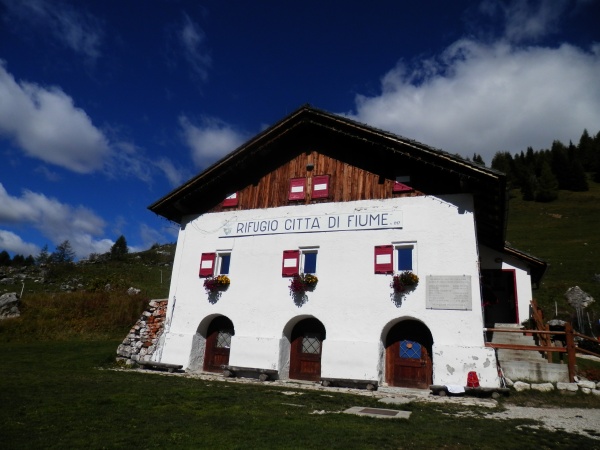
(297, 188)
(384, 259)
(291, 263)
(320, 186)
(401, 187)
(232, 200)
(207, 264)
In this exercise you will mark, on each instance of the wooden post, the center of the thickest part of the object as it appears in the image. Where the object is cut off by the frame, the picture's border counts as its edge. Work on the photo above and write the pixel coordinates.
(547, 343)
(570, 351)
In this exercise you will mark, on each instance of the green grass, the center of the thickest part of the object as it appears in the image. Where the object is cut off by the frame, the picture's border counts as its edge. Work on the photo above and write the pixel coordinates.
(565, 233)
(62, 395)
(74, 315)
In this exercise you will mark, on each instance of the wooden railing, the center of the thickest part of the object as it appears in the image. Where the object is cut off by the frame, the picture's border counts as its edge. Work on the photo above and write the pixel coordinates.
(545, 337)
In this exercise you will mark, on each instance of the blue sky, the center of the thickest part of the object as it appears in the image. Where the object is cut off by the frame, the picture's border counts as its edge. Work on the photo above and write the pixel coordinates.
(106, 105)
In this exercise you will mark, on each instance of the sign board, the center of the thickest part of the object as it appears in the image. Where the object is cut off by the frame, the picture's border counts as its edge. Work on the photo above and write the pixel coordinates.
(449, 292)
(313, 224)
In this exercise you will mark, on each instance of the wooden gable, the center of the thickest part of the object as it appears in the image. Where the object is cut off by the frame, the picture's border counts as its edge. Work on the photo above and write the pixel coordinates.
(362, 163)
(346, 183)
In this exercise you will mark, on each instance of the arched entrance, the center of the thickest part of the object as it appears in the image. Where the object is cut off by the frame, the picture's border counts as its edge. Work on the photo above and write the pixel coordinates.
(306, 348)
(218, 343)
(408, 347)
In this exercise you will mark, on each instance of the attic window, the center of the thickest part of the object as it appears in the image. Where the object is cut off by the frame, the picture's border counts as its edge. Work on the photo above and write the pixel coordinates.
(320, 186)
(297, 189)
(231, 200)
(401, 184)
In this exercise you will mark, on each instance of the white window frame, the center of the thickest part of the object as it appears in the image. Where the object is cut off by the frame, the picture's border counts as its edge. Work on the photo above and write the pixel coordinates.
(406, 244)
(303, 251)
(218, 261)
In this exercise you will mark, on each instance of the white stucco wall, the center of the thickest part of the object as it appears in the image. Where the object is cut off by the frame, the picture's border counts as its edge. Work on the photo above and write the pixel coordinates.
(355, 305)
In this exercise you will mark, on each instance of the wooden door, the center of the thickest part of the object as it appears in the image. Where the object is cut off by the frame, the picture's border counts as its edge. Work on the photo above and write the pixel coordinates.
(408, 360)
(305, 354)
(409, 365)
(218, 343)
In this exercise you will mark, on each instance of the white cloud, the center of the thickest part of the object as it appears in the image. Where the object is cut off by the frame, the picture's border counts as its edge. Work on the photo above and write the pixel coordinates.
(211, 140)
(13, 243)
(77, 30)
(57, 221)
(174, 175)
(526, 20)
(486, 97)
(191, 38)
(46, 124)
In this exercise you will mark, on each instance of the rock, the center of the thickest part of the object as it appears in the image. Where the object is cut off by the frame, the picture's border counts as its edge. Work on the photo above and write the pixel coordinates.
(586, 384)
(9, 305)
(571, 387)
(596, 392)
(520, 386)
(133, 291)
(577, 298)
(586, 390)
(543, 387)
(7, 281)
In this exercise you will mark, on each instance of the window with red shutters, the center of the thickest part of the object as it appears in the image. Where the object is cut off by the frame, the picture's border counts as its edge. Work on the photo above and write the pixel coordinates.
(207, 264)
(320, 186)
(384, 259)
(297, 189)
(290, 265)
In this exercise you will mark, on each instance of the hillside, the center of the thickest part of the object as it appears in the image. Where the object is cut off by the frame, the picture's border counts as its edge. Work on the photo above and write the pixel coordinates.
(565, 233)
(149, 271)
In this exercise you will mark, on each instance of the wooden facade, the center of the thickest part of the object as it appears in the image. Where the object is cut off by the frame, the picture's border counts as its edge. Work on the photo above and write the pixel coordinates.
(347, 183)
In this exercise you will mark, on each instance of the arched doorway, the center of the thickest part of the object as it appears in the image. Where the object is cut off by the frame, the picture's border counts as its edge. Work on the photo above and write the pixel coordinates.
(306, 348)
(218, 343)
(408, 347)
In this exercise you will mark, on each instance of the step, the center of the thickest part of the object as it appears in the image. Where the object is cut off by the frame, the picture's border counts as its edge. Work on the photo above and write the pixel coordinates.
(520, 355)
(535, 372)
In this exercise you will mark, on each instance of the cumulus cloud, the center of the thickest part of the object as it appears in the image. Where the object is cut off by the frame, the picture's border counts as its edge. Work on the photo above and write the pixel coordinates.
(13, 243)
(210, 140)
(484, 97)
(46, 124)
(77, 30)
(191, 38)
(57, 221)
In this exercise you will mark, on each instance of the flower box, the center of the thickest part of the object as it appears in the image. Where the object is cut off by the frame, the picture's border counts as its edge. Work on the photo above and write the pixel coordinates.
(404, 281)
(299, 284)
(216, 284)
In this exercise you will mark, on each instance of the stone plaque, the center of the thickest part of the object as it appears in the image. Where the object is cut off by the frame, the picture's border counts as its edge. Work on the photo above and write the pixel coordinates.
(449, 292)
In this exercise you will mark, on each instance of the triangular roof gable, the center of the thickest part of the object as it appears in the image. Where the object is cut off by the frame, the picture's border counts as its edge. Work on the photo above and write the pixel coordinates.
(432, 171)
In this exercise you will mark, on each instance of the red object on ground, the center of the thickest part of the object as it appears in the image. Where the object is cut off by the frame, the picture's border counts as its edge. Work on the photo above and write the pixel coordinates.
(472, 380)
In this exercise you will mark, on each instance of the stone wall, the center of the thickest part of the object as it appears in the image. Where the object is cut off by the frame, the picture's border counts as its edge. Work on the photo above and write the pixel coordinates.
(142, 340)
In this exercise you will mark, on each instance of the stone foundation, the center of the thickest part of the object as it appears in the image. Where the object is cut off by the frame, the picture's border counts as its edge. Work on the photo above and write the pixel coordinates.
(142, 340)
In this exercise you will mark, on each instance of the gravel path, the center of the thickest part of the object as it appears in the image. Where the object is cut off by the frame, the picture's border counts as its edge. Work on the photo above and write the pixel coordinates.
(572, 420)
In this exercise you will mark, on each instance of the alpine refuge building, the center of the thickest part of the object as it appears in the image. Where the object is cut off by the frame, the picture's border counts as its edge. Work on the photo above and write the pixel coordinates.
(325, 249)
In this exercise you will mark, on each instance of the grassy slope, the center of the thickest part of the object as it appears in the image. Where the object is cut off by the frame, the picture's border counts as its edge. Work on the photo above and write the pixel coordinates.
(565, 233)
(54, 396)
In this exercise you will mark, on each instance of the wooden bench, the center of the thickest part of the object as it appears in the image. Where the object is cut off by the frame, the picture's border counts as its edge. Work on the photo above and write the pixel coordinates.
(370, 385)
(442, 391)
(160, 366)
(250, 372)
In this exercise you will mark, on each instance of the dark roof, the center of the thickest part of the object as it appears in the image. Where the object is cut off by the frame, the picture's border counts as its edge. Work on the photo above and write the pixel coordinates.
(308, 125)
(537, 266)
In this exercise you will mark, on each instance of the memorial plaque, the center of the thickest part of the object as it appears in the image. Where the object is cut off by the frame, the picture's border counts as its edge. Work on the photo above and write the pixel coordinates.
(449, 292)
